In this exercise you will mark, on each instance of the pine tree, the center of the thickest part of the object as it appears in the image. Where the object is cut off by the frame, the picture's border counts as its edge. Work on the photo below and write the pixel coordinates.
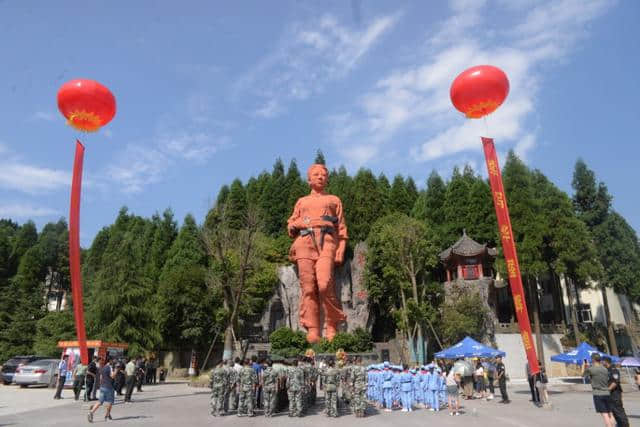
(320, 160)
(236, 205)
(591, 202)
(412, 191)
(28, 282)
(121, 301)
(385, 193)
(183, 312)
(429, 205)
(366, 205)
(399, 199)
(616, 241)
(273, 202)
(296, 188)
(222, 195)
(164, 234)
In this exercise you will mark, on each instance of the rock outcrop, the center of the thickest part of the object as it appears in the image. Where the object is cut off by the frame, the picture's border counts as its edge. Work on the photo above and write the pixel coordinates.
(284, 307)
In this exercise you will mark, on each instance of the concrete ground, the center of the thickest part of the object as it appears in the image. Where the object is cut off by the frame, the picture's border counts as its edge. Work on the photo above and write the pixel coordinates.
(177, 404)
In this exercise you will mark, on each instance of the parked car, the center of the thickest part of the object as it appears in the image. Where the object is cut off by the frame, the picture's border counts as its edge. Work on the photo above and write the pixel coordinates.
(10, 366)
(40, 372)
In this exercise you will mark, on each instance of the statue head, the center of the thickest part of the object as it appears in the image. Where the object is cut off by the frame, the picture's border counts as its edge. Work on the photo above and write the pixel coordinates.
(317, 176)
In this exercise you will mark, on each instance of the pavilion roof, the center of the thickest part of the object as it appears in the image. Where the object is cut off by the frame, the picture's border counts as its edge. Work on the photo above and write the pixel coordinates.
(466, 246)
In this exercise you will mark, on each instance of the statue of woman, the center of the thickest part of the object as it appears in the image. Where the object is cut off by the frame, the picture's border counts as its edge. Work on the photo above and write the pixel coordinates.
(320, 233)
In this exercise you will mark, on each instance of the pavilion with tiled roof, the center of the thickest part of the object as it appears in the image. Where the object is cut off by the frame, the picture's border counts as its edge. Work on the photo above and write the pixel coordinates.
(467, 259)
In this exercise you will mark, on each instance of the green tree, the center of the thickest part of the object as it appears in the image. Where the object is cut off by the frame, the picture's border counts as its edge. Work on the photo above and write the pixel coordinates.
(402, 254)
(617, 242)
(239, 270)
(385, 194)
(320, 160)
(184, 314)
(429, 206)
(120, 303)
(273, 201)
(400, 200)
(287, 343)
(466, 316)
(236, 205)
(53, 327)
(367, 205)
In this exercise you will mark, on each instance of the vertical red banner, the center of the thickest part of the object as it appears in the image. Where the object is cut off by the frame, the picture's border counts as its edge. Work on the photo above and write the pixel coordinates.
(74, 252)
(510, 254)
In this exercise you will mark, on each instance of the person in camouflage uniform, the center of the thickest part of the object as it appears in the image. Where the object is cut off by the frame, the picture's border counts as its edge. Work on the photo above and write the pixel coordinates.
(345, 384)
(359, 387)
(232, 387)
(219, 385)
(295, 384)
(314, 382)
(247, 380)
(331, 380)
(269, 389)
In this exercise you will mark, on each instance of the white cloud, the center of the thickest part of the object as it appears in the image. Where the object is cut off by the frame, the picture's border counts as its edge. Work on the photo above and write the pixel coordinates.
(16, 175)
(413, 102)
(138, 167)
(308, 57)
(17, 210)
(197, 146)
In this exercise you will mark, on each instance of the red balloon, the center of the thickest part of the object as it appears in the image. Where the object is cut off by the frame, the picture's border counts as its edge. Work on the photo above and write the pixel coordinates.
(86, 104)
(479, 91)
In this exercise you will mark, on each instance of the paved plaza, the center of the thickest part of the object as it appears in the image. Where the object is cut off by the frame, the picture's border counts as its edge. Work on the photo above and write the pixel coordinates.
(177, 404)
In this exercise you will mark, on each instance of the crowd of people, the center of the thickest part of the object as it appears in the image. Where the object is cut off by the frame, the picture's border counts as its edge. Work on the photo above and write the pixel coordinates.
(110, 376)
(241, 386)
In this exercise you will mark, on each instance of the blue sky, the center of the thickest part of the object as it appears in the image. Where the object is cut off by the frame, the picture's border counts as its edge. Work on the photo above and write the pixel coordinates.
(211, 91)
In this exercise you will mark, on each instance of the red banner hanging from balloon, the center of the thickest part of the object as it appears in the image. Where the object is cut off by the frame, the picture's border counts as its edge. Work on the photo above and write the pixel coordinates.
(74, 252)
(510, 254)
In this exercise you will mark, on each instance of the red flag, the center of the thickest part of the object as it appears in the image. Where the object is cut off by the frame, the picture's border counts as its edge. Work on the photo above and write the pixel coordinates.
(74, 252)
(510, 254)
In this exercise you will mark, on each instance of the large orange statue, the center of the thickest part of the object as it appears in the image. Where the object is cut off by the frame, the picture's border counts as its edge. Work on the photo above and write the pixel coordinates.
(317, 223)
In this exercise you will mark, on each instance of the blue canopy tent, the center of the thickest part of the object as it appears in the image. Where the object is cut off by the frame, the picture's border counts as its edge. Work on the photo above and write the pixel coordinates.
(582, 352)
(468, 347)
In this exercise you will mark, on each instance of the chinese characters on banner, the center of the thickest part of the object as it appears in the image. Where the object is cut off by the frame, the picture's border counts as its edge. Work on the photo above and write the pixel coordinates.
(509, 248)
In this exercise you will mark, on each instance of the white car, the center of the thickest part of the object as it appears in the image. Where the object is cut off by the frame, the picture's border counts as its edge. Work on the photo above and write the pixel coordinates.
(40, 372)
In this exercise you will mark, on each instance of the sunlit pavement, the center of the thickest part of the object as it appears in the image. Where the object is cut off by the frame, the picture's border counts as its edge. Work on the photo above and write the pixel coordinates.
(177, 404)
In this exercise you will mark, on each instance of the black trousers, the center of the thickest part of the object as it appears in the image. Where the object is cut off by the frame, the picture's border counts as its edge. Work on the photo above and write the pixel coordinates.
(535, 397)
(618, 410)
(59, 387)
(139, 381)
(78, 382)
(503, 388)
(491, 386)
(88, 387)
(131, 380)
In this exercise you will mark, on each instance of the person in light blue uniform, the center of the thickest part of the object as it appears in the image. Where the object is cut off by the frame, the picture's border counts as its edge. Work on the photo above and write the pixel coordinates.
(379, 395)
(415, 387)
(406, 384)
(443, 388)
(426, 379)
(418, 387)
(387, 387)
(397, 371)
(434, 388)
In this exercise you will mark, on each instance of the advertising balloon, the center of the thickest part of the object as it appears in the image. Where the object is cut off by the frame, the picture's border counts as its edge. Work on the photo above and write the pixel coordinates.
(86, 104)
(479, 91)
